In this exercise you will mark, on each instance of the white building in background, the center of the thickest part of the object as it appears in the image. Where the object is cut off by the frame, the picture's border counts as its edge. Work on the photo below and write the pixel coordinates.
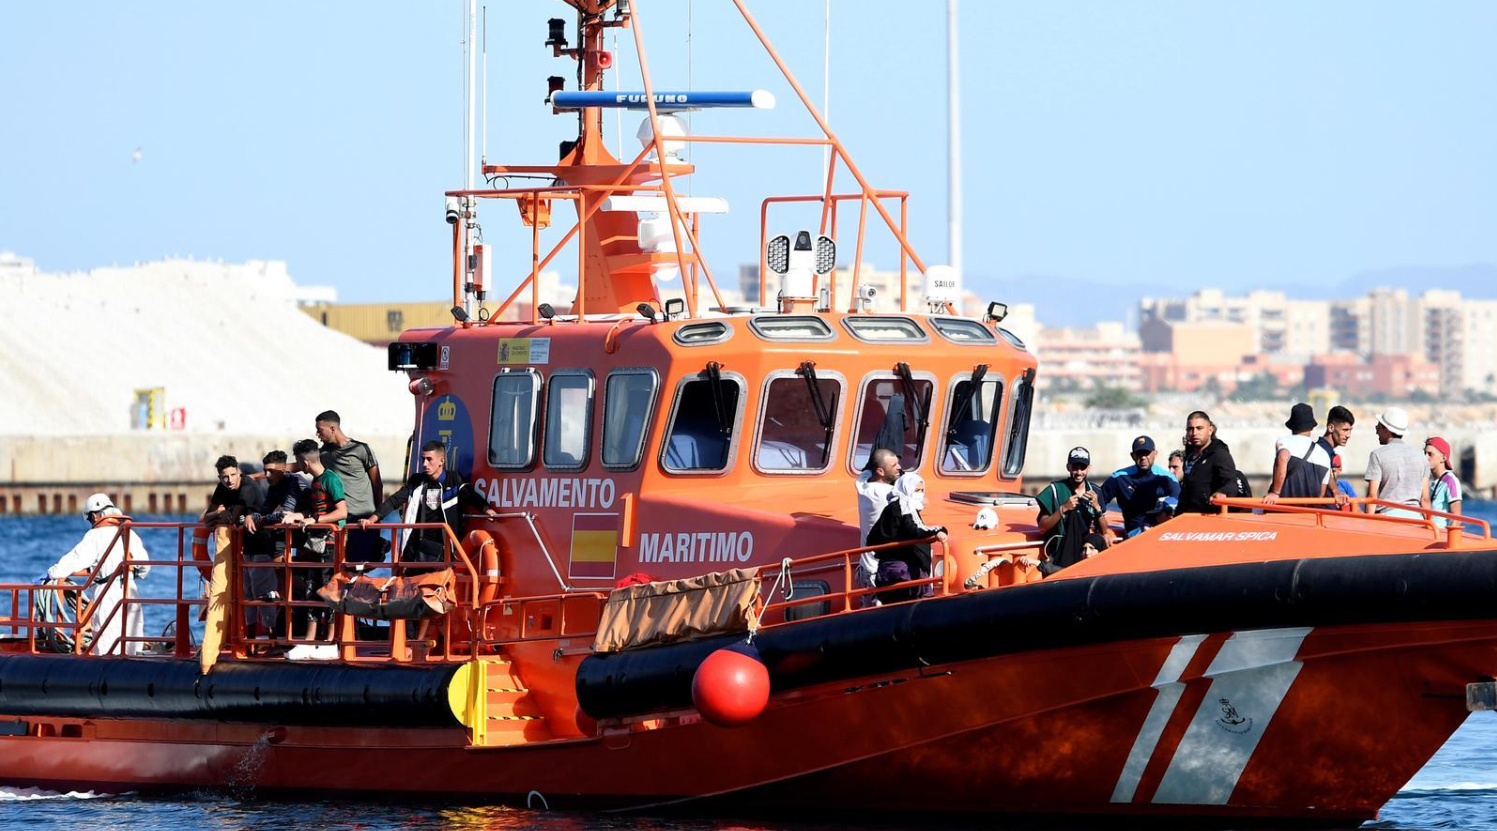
(1105, 355)
(1396, 323)
(1460, 336)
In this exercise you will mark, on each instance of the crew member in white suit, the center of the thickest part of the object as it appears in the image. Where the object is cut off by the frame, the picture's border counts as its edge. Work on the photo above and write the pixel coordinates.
(109, 623)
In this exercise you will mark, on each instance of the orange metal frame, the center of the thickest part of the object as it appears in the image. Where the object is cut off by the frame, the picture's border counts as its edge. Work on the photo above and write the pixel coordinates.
(685, 226)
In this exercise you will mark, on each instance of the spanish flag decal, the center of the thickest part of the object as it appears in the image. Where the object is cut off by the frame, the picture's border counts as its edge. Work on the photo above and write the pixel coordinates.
(595, 545)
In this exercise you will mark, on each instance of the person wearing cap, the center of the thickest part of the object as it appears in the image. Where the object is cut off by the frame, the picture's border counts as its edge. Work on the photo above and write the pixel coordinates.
(1070, 508)
(104, 548)
(1139, 488)
(1302, 463)
(1444, 487)
(1396, 472)
(1209, 468)
(1344, 489)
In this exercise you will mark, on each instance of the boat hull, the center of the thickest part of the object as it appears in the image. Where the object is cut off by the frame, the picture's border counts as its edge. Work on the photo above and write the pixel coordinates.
(1279, 725)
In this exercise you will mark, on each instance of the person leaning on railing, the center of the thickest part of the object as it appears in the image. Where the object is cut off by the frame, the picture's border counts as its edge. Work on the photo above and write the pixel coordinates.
(324, 504)
(436, 495)
(103, 547)
(901, 522)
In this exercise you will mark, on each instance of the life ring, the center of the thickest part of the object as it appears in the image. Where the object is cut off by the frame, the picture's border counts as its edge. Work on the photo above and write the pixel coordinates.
(483, 549)
(200, 537)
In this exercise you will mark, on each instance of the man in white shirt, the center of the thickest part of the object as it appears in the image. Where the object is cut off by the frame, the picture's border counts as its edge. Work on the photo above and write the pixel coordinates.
(875, 487)
(105, 542)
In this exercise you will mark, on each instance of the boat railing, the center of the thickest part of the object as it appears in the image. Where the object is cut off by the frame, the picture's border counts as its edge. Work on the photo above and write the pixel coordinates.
(840, 567)
(566, 616)
(1458, 529)
(443, 638)
(104, 602)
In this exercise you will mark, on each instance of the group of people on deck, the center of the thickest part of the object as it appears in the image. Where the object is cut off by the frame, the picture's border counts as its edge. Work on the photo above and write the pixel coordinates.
(285, 517)
(1072, 511)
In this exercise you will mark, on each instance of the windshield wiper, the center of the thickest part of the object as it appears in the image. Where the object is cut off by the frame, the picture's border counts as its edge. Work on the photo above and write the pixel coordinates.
(921, 407)
(823, 412)
(960, 409)
(719, 402)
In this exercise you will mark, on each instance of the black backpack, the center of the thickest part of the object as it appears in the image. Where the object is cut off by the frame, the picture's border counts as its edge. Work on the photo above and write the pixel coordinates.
(1305, 479)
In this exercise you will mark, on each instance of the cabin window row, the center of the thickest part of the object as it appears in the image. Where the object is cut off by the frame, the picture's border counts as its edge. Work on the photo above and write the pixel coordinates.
(797, 429)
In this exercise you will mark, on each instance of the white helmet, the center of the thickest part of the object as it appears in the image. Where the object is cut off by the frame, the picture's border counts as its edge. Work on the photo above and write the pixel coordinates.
(97, 504)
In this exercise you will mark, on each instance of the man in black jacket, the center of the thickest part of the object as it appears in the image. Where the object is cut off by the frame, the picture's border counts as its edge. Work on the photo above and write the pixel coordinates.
(436, 495)
(1209, 469)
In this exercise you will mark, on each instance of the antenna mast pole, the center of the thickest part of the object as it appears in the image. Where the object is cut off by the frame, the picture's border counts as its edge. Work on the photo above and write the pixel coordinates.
(469, 203)
(953, 147)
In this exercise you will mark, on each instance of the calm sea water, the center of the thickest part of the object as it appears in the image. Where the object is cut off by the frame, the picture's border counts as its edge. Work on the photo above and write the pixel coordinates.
(1457, 789)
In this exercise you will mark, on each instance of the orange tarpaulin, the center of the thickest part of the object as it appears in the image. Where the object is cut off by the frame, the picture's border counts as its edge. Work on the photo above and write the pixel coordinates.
(678, 610)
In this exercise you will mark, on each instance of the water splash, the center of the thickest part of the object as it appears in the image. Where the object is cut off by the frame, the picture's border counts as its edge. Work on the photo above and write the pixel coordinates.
(246, 773)
(35, 794)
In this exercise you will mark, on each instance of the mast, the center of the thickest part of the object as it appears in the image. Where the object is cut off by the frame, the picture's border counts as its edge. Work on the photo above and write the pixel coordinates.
(953, 147)
(470, 220)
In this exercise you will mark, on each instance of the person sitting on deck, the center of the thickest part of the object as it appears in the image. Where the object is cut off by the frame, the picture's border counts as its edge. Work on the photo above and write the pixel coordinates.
(103, 548)
(1344, 489)
(436, 495)
(901, 522)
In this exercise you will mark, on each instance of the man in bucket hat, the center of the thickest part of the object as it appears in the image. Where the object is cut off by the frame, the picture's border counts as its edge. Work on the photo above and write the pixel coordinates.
(1396, 472)
(1302, 463)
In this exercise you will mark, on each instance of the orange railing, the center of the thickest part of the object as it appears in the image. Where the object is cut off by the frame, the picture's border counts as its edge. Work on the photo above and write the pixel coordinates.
(1456, 529)
(123, 593)
(841, 566)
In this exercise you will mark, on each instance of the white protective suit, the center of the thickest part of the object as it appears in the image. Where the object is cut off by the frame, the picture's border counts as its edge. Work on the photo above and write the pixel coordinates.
(109, 623)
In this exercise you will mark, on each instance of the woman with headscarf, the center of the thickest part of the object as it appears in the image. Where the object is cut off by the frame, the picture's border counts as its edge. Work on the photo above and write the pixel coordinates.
(901, 522)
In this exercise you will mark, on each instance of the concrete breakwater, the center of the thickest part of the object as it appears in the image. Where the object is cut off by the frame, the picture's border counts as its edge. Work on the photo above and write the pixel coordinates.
(173, 472)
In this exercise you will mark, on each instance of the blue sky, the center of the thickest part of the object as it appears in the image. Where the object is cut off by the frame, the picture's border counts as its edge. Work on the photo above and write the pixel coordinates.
(1175, 143)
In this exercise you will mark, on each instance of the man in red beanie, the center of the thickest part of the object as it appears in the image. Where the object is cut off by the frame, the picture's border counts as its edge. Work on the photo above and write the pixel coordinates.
(1444, 487)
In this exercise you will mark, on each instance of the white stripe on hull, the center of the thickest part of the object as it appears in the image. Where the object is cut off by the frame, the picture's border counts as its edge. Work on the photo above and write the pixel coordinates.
(1250, 678)
(1169, 690)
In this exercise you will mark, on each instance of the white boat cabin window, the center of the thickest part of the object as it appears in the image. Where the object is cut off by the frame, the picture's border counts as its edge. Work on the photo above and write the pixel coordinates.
(704, 423)
(512, 419)
(702, 334)
(798, 420)
(884, 329)
(569, 419)
(971, 423)
(628, 401)
(1018, 424)
(962, 330)
(791, 327)
(894, 412)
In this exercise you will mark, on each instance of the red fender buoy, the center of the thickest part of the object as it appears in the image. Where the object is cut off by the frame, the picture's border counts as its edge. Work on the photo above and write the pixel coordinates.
(200, 537)
(731, 687)
(483, 549)
(586, 724)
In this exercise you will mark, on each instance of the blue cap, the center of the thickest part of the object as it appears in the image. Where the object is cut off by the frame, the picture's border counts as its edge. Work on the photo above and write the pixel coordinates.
(1143, 444)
